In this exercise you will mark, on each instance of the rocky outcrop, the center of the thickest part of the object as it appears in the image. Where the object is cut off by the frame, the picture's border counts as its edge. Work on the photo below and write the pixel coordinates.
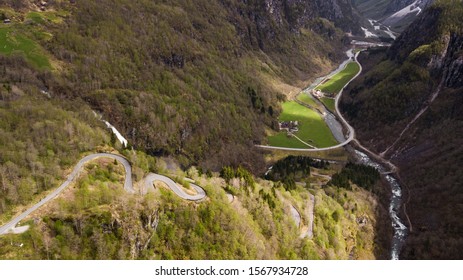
(453, 63)
(445, 49)
(271, 15)
(449, 61)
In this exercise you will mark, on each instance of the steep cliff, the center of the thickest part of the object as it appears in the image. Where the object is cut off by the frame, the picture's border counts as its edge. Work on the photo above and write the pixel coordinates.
(408, 106)
(270, 18)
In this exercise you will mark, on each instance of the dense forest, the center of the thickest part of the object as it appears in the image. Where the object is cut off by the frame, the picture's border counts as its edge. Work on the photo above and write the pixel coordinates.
(294, 167)
(40, 136)
(361, 175)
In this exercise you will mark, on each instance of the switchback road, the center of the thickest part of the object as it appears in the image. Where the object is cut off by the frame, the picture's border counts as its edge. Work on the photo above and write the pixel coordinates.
(128, 186)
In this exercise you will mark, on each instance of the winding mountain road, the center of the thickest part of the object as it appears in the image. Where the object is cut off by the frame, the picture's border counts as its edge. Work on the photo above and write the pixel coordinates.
(149, 180)
(128, 186)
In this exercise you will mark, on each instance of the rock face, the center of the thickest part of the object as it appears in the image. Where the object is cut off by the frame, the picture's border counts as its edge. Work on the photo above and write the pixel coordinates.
(453, 63)
(408, 105)
(270, 15)
(446, 53)
(300, 12)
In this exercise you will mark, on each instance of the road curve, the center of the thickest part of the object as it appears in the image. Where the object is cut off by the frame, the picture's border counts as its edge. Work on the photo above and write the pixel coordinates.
(338, 112)
(128, 186)
(149, 180)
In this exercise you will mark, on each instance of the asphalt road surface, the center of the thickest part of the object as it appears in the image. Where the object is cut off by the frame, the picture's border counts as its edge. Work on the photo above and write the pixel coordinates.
(128, 186)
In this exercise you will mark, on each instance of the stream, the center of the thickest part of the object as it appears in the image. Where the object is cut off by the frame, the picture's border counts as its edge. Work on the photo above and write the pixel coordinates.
(400, 230)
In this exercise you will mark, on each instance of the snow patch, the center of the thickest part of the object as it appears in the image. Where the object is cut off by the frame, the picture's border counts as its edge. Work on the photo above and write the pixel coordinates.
(390, 33)
(368, 34)
(372, 22)
(377, 26)
(412, 8)
(268, 171)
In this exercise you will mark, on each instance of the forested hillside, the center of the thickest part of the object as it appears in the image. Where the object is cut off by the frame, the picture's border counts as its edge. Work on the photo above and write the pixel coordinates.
(195, 80)
(40, 135)
(96, 219)
(388, 105)
(175, 76)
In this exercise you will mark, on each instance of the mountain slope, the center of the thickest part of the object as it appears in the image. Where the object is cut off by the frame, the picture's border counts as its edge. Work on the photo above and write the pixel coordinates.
(195, 80)
(408, 106)
(199, 81)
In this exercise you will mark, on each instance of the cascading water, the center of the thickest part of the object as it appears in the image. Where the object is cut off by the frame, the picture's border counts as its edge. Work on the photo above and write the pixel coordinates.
(400, 230)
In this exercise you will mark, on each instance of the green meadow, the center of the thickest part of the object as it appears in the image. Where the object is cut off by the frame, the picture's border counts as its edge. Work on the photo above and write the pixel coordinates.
(304, 97)
(12, 41)
(329, 103)
(312, 128)
(338, 81)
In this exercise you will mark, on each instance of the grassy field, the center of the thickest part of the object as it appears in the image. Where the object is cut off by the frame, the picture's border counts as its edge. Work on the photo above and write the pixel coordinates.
(338, 81)
(329, 103)
(312, 128)
(12, 41)
(43, 17)
(304, 97)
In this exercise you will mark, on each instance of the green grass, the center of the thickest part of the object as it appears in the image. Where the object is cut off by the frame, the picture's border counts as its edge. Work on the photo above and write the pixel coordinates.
(329, 103)
(43, 17)
(312, 128)
(338, 81)
(36, 17)
(12, 41)
(304, 97)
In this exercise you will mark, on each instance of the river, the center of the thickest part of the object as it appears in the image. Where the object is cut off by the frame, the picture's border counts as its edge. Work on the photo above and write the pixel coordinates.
(400, 230)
